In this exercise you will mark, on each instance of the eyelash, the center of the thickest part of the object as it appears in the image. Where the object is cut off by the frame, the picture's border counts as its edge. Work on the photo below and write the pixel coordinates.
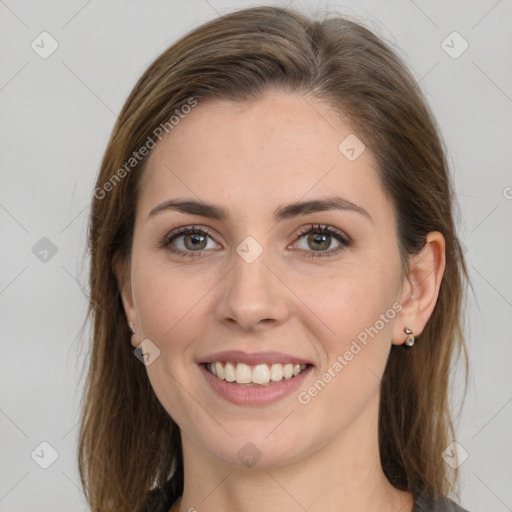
(312, 228)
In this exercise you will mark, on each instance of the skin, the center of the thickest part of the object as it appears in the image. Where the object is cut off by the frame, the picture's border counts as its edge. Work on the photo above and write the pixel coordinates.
(251, 159)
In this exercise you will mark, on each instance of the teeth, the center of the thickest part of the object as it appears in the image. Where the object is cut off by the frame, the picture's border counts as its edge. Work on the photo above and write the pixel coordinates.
(229, 372)
(259, 374)
(276, 372)
(219, 370)
(243, 374)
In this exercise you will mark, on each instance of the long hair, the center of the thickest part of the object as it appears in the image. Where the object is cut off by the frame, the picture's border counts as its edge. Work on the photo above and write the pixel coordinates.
(128, 444)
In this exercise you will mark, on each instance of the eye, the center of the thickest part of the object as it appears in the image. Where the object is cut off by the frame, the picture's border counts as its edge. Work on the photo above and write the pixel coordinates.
(318, 240)
(188, 240)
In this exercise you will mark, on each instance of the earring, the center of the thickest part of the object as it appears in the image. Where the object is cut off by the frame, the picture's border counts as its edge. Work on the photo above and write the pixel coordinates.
(410, 338)
(130, 325)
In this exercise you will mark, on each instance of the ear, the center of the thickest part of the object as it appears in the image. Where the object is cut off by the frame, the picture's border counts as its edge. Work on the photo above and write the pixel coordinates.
(122, 272)
(420, 288)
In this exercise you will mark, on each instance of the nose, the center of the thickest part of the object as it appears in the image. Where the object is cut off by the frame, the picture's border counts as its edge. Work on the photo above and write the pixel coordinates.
(253, 296)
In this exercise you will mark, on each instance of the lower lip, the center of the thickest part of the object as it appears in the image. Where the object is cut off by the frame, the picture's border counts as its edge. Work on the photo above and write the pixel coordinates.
(254, 395)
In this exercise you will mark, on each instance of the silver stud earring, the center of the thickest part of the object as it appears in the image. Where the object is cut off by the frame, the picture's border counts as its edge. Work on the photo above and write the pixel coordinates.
(410, 338)
(130, 325)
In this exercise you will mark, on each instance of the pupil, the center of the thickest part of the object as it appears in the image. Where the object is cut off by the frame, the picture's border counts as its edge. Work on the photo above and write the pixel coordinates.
(317, 238)
(193, 241)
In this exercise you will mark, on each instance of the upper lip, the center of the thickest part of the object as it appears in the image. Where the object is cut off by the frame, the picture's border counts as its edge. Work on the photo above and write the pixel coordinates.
(237, 356)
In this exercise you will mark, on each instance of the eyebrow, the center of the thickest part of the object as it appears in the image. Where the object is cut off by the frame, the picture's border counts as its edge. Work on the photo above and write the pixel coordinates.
(289, 211)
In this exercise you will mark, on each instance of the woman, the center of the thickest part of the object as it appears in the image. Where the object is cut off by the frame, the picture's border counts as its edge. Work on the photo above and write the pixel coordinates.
(276, 280)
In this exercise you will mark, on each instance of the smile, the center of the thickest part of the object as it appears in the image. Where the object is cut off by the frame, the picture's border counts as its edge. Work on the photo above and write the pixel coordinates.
(259, 374)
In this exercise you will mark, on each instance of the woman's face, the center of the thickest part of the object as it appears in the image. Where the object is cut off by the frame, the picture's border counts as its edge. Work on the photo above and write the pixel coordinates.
(278, 284)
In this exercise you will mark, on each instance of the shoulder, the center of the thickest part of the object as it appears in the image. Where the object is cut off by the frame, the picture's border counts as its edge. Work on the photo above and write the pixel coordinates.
(431, 502)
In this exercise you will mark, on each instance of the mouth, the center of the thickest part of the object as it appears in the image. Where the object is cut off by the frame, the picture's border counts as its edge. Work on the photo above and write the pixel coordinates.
(254, 379)
(262, 374)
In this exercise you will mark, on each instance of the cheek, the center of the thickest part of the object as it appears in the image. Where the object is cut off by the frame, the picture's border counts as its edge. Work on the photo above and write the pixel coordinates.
(171, 310)
(356, 316)
(168, 300)
(350, 303)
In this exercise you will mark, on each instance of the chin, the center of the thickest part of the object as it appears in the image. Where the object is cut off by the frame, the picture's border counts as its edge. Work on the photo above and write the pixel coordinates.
(259, 447)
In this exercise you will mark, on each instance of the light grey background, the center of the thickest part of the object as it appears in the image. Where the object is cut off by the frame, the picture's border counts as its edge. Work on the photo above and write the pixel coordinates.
(56, 117)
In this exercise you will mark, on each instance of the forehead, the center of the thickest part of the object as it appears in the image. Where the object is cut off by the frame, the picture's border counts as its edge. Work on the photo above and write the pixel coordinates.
(280, 148)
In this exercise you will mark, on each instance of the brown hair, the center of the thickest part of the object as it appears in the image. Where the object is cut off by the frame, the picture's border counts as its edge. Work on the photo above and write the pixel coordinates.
(128, 443)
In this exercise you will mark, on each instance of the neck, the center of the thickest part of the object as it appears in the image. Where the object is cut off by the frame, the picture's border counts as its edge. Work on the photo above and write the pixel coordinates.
(343, 475)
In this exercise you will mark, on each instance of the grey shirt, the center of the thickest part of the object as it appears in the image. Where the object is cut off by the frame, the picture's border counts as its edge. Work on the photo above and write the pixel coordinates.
(430, 502)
